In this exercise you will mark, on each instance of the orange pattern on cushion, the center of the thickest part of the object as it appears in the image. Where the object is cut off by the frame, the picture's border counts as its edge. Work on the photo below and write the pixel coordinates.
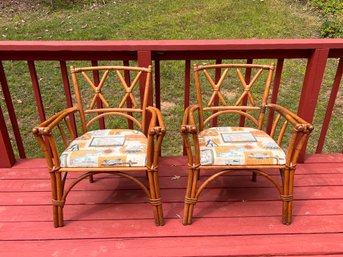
(106, 148)
(238, 146)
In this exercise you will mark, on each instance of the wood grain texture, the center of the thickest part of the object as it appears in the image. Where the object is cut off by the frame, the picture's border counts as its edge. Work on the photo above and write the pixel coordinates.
(234, 211)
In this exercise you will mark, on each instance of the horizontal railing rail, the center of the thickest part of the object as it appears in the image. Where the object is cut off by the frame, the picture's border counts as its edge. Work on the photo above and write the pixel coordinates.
(316, 52)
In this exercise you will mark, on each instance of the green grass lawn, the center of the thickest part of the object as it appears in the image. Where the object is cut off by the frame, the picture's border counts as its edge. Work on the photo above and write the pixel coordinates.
(162, 19)
(156, 19)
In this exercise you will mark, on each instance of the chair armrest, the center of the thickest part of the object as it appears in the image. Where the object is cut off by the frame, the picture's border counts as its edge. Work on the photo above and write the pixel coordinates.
(301, 132)
(43, 134)
(156, 126)
(298, 123)
(188, 125)
(158, 130)
(46, 126)
(189, 131)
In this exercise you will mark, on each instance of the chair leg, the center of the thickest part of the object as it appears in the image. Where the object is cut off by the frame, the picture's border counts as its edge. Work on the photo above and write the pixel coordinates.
(158, 196)
(190, 200)
(187, 196)
(284, 193)
(194, 191)
(290, 199)
(54, 198)
(91, 179)
(59, 203)
(154, 200)
(287, 196)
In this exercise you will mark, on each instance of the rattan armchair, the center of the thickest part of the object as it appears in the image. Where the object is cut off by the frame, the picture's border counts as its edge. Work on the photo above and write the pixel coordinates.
(112, 150)
(249, 147)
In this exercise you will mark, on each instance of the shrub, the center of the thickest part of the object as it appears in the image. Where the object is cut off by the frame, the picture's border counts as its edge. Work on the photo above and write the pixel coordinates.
(332, 15)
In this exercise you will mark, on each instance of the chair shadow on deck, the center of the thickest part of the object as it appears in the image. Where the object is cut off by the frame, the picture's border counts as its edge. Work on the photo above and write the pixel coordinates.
(108, 204)
(237, 196)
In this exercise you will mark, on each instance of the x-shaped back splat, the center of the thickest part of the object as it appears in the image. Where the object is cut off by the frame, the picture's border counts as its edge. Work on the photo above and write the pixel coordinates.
(216, 87)
(128, 89)
(247, 87)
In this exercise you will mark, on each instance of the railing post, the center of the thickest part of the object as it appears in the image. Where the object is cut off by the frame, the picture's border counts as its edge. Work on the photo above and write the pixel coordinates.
(7, 158)
(68, 95)
(311, 87)
(144, 60)
(36, 90)
(331, 104)
(157, 84)
(128, 102)
(187, 84)
(11, 112)
(218, 73)
(275, 92)
(245, 99)
(186, 99)
(96, 80)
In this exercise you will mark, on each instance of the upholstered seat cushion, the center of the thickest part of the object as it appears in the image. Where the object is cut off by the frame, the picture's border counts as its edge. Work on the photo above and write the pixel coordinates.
(238, 146)
(106, 148)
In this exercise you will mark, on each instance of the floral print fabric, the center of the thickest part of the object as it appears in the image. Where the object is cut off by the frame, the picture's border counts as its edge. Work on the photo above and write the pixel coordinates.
(238, 146)
(106, 148)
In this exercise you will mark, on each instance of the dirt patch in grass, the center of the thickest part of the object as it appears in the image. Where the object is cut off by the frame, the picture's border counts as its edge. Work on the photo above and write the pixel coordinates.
(168, 106)
(339, 103)
(12, 7)
(229, 94)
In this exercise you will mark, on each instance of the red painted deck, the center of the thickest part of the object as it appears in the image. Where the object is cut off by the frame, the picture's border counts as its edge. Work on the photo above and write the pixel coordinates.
(235, 217)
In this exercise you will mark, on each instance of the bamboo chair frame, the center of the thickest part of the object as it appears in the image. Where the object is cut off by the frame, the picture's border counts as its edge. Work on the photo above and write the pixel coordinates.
(155, 132)
(191, 127)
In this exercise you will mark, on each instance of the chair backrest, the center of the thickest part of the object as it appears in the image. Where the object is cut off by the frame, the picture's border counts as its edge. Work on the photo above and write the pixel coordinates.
(237, 99)
(109, 91)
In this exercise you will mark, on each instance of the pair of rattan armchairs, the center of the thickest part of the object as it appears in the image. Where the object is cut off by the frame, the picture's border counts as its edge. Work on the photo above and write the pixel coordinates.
(219, 149)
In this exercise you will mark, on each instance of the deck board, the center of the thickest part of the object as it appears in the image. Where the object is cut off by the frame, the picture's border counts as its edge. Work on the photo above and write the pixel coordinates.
(278, 245)
(166, 182)
(234, 217)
